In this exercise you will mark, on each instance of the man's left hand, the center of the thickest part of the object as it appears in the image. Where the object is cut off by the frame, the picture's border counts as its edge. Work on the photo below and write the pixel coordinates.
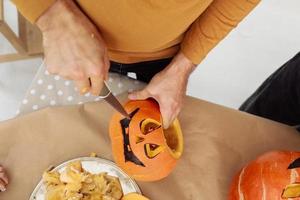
(168, 88)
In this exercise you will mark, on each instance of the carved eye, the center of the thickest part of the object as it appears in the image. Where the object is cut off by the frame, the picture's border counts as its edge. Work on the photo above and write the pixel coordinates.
(152, 150)
(149, 125)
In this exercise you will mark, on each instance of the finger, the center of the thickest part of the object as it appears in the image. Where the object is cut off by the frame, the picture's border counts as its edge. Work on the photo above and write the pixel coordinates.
(139, 95)
(3, 174)
(168, 111)
(166, 118)
(1, 168)
(107, 64)
(2, 186)
(4, 177)
(50, 67)
(65, 75)
(83, 85)
(52, 70)
(96, 85)
(172, 118)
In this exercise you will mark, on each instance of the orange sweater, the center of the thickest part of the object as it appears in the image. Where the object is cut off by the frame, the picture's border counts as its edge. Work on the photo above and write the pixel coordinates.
(141, 30)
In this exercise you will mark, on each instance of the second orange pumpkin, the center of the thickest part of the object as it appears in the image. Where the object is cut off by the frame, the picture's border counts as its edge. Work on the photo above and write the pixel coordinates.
(272, 176)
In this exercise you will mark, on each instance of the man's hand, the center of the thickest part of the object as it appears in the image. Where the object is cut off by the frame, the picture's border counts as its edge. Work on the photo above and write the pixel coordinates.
(73, 47)
(168, 88)
(3, 179)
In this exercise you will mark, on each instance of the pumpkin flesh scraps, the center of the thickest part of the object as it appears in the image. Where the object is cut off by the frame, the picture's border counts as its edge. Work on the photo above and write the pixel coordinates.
(291, 191)
(76, 183)
(152, 150)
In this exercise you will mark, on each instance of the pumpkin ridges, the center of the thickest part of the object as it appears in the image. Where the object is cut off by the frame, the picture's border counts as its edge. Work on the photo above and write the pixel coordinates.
(157, 175)
(233, 191)
(248, 180)
(282, 177)
(134, 196)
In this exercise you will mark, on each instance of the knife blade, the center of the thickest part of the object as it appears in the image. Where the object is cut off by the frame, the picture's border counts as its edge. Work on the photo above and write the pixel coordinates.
(108, 96)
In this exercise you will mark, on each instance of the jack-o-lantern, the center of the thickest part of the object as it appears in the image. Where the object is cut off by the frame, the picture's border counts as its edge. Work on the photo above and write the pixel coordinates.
(141, 147)
(272, 176)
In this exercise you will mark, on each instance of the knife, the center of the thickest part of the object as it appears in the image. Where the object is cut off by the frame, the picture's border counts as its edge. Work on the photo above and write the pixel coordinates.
(108, 96)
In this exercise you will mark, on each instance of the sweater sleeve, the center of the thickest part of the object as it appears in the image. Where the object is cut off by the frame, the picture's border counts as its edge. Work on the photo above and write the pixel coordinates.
(32, 9)
(213, 25)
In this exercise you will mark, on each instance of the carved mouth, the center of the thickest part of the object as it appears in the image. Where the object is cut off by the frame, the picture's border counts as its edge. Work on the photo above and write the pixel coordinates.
(128, 153)
(291, 191)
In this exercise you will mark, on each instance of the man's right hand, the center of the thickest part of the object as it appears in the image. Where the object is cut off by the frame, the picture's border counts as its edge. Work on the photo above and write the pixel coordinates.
(73, 47)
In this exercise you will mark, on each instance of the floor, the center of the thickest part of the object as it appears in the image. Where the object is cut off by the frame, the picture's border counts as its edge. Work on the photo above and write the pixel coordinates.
(267, 38)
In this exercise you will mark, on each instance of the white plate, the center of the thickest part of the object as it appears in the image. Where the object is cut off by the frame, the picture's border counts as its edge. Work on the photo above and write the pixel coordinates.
(93, 165)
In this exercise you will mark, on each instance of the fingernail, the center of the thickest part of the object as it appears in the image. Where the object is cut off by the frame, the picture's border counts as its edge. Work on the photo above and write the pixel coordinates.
(165, 125)
(2, 188)
(84, 90)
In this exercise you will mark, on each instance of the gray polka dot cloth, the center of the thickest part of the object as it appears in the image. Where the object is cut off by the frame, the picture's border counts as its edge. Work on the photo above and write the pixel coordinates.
(51, 90)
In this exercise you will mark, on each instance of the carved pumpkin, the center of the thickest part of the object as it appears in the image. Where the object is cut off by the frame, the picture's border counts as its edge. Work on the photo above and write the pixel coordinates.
(272, 176)
(140, 145)
(134, 196)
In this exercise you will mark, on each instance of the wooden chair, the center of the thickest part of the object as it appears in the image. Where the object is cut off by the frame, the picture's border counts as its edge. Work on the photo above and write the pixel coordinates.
(29, 42)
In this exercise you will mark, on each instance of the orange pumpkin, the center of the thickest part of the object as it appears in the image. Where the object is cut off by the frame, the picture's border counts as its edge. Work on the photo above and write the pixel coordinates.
(272, 176)
(134, 196)
(140, 145)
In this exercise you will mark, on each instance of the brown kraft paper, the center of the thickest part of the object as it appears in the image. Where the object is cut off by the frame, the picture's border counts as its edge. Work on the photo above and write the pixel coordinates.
(218, 141)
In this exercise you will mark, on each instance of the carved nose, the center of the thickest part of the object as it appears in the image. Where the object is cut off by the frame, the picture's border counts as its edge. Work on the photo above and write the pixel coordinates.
(139, 139)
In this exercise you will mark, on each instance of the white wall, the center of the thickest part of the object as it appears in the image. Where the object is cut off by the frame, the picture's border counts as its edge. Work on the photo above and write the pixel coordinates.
(265, 40)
